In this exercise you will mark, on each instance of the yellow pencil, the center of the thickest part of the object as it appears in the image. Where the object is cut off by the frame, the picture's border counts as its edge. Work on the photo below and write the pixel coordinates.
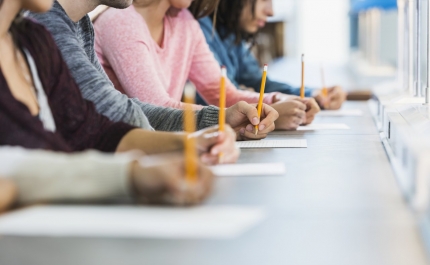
(190, 127)
(260, 101)
(302, 88)
(222, 99)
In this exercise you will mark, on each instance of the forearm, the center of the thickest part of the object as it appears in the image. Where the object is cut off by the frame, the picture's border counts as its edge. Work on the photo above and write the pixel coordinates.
(170, 120)
(43, 176)
(151, 142)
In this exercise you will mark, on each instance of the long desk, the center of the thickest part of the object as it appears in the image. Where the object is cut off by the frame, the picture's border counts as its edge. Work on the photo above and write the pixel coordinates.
(338, 204)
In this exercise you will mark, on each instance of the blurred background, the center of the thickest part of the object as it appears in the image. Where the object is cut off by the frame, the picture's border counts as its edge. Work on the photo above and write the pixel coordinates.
(356, 40)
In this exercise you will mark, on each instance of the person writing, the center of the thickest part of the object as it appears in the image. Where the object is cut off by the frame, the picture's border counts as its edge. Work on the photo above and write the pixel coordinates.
(150, 49)
(42, 108)
(236, 26)
(73, 33)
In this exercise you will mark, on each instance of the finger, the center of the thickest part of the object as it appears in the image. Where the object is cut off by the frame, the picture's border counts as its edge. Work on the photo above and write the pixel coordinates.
(310, 119)
(210, 160)
(221, 145)
(252, 136)
(313, 107)
(301, 104)
(231, 157)
(227, 145)
(268, 130)
(249, 111)
(197, 192)
(7, 194)
(209, 139)
(269, 116)
(299, 113)
(297, 122)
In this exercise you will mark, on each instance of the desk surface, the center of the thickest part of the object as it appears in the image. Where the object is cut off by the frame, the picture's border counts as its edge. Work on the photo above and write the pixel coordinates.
(337, 204)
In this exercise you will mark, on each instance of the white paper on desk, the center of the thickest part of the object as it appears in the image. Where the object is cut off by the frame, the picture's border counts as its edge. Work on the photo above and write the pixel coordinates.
(324, 126)
(205, 222)
(291, 143)
(262, 169)
(341, 113)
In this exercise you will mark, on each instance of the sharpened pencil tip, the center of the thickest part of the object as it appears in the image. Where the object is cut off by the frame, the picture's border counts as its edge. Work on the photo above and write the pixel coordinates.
(303, 57)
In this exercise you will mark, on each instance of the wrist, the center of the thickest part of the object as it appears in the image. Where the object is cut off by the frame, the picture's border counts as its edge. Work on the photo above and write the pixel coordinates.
(134, 172)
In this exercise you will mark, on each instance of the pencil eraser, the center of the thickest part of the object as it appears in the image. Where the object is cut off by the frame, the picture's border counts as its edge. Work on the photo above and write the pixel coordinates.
(223, 71)
(265, 67)
(189, 90)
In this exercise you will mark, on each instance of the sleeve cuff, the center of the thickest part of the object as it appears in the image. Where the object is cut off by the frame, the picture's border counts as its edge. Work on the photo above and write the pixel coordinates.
(207, 117)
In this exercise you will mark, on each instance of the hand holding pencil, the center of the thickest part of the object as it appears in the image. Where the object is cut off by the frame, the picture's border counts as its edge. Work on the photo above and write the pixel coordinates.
(260, 101)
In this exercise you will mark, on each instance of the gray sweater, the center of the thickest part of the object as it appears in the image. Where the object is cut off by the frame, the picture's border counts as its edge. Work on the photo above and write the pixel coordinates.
(76, 42)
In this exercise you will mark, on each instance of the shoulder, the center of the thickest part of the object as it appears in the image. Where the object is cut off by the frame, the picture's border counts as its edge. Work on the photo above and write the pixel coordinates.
(120, 25)
(185, 18)
(118, 18)
(206, 23)
(55, 19)
(35, 30)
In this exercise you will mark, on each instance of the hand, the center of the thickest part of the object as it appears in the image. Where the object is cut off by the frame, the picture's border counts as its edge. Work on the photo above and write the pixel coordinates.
(161, 180)
(334, 100)
(292, 113)
(283, 97)
(312, 109)
(7, 194)
(211, 142)
(242, 117)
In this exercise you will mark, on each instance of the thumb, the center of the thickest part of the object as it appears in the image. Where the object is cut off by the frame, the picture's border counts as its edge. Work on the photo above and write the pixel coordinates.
(250, 111)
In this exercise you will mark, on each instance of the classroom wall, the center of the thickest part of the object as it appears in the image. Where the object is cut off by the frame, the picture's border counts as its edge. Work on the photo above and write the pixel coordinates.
(322, 30)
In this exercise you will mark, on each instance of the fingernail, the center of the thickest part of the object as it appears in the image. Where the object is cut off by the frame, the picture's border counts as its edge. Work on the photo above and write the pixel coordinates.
(242, 131)
(255, 120)
(261, 127)
(249, 128)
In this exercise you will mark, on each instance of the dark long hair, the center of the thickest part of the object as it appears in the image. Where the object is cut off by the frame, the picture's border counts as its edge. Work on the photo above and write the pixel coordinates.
(227, 19)
(203, 8)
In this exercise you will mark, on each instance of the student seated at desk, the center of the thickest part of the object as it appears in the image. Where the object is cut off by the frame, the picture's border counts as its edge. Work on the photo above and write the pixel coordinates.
(41, 106)
(7, 194)
(73, 32)
(150, 50)
(45, 176)
(236, 25)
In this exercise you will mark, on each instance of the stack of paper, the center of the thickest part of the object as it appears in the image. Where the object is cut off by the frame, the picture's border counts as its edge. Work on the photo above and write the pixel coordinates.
(206, 222)
(341, 113)
(323, 126)
(292, 143)
(263, 169)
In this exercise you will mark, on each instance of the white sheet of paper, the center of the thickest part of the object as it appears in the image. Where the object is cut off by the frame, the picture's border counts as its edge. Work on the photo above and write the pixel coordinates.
(263, 169)
(324, 126)
(205, 222)
(292, 143)
(341, 113)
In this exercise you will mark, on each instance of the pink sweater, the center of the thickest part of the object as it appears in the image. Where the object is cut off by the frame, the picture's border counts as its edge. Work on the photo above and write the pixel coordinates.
(140, 68)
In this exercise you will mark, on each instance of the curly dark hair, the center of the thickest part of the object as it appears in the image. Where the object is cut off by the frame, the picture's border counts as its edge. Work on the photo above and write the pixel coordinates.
(227, 19)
